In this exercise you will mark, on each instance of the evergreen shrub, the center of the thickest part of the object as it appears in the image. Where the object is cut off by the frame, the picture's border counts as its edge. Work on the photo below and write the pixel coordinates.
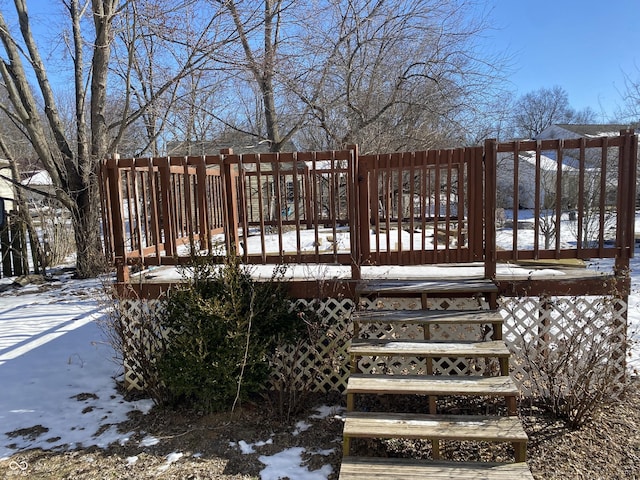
(222, 326)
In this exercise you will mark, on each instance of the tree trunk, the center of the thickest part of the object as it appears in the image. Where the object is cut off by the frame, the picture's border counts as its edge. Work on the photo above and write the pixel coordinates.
(85, 220)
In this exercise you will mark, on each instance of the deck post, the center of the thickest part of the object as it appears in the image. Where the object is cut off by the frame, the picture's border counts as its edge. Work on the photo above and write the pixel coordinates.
(114, 207)
(357, 213)
(231, 238)
(626, 199)
(362, 209)
(168, 214)
(490, 161)
(201, 200)
(625, 235)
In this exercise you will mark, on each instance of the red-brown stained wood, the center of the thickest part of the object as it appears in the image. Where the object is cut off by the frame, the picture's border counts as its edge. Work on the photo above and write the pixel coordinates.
(153, 206)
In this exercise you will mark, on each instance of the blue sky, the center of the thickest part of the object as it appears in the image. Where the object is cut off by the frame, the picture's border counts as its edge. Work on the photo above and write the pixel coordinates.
(584, 46)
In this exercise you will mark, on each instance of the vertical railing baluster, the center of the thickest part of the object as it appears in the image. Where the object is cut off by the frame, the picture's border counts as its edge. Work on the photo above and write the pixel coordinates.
(537, 199)
(516, 198)
(581, 193)
(559, 196)
(603, 194)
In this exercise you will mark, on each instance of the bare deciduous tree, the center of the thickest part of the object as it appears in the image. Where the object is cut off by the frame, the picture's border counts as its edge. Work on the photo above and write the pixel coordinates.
(401, 75)
(539, 109)
(629, 112)
(70, 161)
(71, 152)
(385, 75)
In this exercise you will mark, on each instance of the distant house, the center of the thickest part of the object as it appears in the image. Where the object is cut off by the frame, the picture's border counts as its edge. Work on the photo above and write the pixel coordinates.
(38, 181)
(568, 131)
(7, 190)
(525, 183)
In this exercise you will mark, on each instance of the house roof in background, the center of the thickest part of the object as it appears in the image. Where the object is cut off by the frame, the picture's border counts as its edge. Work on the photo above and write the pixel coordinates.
(593, 130)
(528, 158)
(38, 177)
(547, 163)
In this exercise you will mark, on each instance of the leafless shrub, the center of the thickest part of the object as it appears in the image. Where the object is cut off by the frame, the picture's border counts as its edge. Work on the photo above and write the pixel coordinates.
(58, 241)
(133, 330)
(298, 369)
(575, 360)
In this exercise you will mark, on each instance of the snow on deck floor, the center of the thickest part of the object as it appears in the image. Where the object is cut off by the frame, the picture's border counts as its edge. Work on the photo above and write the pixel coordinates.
(168, 274)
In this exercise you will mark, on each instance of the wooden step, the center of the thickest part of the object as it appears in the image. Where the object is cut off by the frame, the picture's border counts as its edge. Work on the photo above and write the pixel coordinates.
(427, 318)
(361, 468)
(428, 348)
(436, 427)
(442, 427)
(419, 317)
(361, 347)
(432, 385)
(418, 287)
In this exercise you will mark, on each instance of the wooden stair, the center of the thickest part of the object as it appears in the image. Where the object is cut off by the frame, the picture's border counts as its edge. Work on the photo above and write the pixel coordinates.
(363, 468)
(432, 426)
(433, 385)
(428, 318)
(433, 349)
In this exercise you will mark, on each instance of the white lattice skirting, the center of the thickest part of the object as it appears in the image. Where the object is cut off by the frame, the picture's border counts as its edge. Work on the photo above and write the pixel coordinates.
(538, 330)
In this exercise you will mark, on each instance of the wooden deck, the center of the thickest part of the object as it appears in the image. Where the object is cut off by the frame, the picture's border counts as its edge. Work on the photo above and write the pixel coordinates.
(332, 280)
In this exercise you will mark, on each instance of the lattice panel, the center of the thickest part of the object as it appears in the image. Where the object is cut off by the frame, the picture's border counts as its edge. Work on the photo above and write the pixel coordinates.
(418, 366)
(323, 364)
(394, 303)
(534, 328)
(390, 331)
(139, 337)
(383, 303)
(394, 365)
(461, 303)
(588, 333)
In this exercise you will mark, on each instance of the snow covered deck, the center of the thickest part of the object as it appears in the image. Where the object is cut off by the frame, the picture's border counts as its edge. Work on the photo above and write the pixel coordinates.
(313, 280)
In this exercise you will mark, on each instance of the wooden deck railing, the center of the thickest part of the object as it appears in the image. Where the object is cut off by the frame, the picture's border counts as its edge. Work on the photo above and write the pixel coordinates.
(295, 207)
(584, 189)
(155, 208)
(422, 207)
(411, 208)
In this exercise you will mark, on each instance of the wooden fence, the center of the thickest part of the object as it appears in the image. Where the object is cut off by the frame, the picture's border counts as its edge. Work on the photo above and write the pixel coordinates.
(422, 207)
(13, 248)
(340, 207)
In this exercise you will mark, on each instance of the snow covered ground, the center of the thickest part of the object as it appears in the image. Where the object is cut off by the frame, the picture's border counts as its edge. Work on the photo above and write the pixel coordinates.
(57, 371)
